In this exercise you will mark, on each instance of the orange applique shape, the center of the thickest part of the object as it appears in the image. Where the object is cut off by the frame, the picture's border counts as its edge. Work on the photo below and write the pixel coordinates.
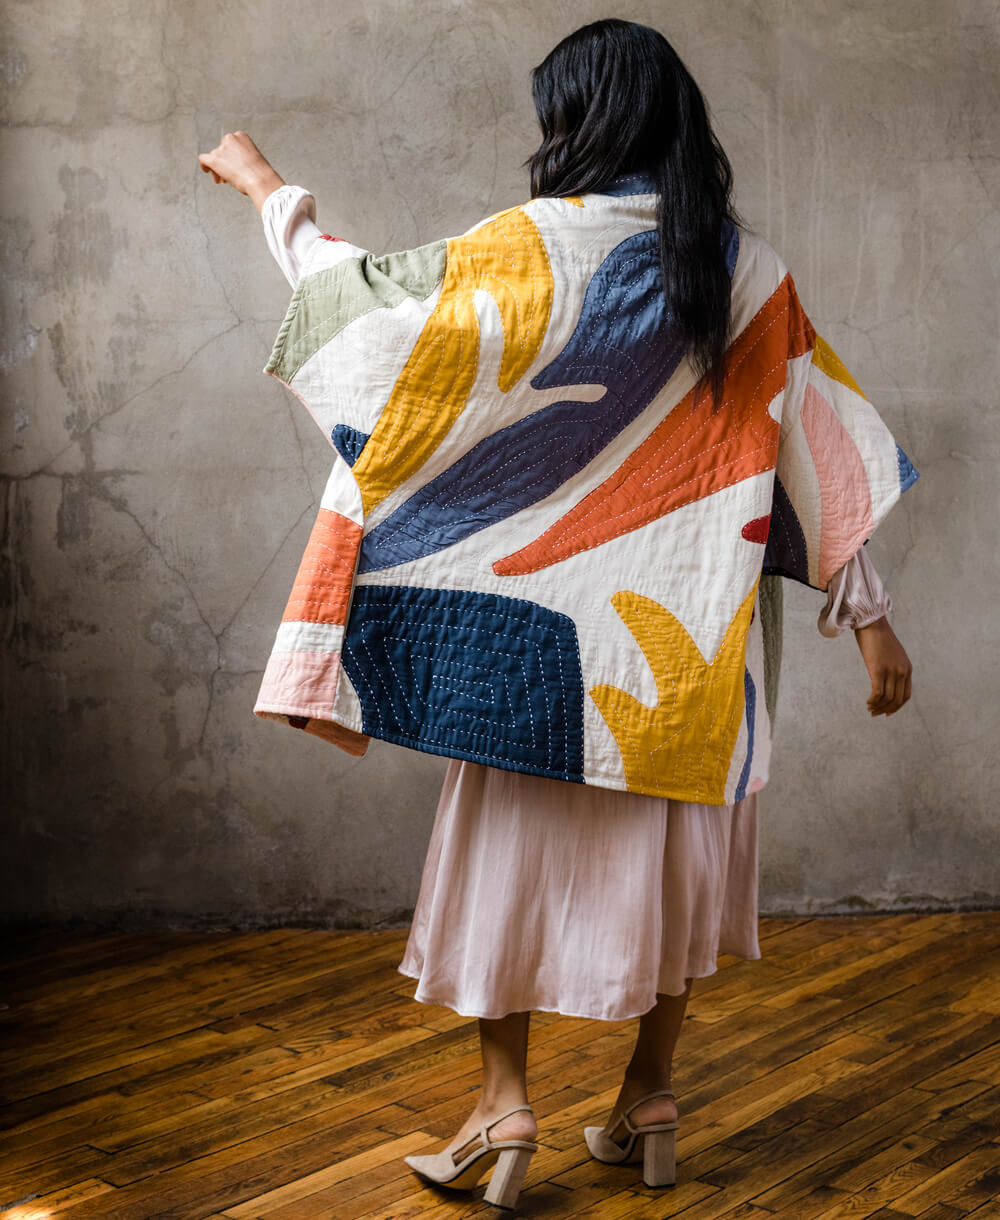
(323, 582)
(505, 257)
(684, 742)
(692, 452)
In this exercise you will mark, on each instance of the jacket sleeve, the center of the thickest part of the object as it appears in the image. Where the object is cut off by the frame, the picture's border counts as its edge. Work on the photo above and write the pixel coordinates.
(352, 317)
(839, 469)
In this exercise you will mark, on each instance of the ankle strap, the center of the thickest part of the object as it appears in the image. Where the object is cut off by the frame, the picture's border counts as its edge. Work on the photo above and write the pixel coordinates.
(496, 1118)
(649, 1097)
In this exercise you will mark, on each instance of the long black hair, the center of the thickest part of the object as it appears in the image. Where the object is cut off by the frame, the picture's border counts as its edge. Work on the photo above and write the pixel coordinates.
(612, 98)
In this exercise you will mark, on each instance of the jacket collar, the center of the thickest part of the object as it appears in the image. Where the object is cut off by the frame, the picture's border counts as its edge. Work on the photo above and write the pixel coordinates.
(628, 184)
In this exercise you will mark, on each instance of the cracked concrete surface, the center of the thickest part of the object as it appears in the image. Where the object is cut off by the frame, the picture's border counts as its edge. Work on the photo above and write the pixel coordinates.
(159, 489)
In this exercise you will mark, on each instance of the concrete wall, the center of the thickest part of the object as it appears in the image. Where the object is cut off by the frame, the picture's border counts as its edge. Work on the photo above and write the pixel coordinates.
(159, 489)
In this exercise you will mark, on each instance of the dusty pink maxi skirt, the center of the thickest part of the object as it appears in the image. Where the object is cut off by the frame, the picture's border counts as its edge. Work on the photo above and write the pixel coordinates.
(541, 894)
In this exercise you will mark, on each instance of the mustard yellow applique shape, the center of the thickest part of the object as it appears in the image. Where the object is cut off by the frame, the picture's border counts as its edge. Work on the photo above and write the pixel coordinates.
(505, 257)
(826, 359)
(683, 745)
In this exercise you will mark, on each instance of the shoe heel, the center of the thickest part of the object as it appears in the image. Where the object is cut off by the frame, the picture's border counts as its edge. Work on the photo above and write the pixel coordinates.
(507, 1176)
(659, 1158)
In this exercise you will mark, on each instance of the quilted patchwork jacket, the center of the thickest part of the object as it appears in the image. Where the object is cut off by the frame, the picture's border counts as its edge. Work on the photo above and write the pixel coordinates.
(538, 547)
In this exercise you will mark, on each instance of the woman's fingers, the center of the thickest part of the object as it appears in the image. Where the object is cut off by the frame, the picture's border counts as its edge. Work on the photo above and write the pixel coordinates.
(877, 697)
(208, 170)
(901, 693)
(883, 700)
(205, 160)
(235, 160)
(893, 690)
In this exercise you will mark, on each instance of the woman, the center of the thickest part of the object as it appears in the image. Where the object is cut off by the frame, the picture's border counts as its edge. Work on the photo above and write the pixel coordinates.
(567, 897)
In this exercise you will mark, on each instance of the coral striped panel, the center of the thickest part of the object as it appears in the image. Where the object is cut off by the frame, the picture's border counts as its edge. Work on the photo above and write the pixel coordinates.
(322, 586)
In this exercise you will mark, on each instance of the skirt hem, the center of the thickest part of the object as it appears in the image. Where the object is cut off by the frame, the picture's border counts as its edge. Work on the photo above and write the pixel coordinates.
(587, 1016)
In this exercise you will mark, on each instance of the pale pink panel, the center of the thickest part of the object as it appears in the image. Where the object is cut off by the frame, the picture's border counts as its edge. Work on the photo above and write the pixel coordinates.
(299, 683)
(845, 496)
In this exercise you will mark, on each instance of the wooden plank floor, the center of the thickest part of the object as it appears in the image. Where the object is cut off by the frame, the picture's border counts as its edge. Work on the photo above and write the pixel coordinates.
(853, 1072)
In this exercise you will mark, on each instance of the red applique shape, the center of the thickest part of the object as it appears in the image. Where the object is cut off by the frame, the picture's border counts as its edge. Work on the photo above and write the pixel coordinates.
(757, 530)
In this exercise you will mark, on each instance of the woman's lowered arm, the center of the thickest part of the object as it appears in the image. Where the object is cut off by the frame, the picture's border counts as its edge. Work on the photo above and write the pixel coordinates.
(856, 598)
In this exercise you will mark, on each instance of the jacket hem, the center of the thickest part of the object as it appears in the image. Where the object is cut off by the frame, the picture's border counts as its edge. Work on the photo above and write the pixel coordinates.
(429, 747)
(347, 739)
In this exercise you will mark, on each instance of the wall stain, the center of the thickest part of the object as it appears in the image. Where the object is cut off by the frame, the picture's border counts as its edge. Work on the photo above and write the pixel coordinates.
(186, 654)
(86, 242)
(18, 337)
(13, 66)
(73, 521)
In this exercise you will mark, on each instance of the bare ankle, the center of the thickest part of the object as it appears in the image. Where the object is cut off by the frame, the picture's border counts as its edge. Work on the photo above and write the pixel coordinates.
(646, 1077)
(496, 1101)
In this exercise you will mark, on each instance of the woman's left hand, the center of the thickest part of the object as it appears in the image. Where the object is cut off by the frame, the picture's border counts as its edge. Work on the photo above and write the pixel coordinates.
(888, 667)
(238, 161)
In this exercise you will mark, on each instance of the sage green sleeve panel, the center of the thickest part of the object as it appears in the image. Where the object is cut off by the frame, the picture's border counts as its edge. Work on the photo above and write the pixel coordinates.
(328, 300)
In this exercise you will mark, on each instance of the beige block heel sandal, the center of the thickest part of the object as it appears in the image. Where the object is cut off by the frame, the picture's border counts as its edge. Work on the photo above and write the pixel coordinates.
(654, 1144)
(510, 1158)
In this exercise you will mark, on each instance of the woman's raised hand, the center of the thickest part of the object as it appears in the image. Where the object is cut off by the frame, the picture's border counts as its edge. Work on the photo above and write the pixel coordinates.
(238, 161)
(888, 667)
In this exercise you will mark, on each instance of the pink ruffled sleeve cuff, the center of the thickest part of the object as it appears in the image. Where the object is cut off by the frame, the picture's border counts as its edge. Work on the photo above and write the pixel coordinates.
(855, 597)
